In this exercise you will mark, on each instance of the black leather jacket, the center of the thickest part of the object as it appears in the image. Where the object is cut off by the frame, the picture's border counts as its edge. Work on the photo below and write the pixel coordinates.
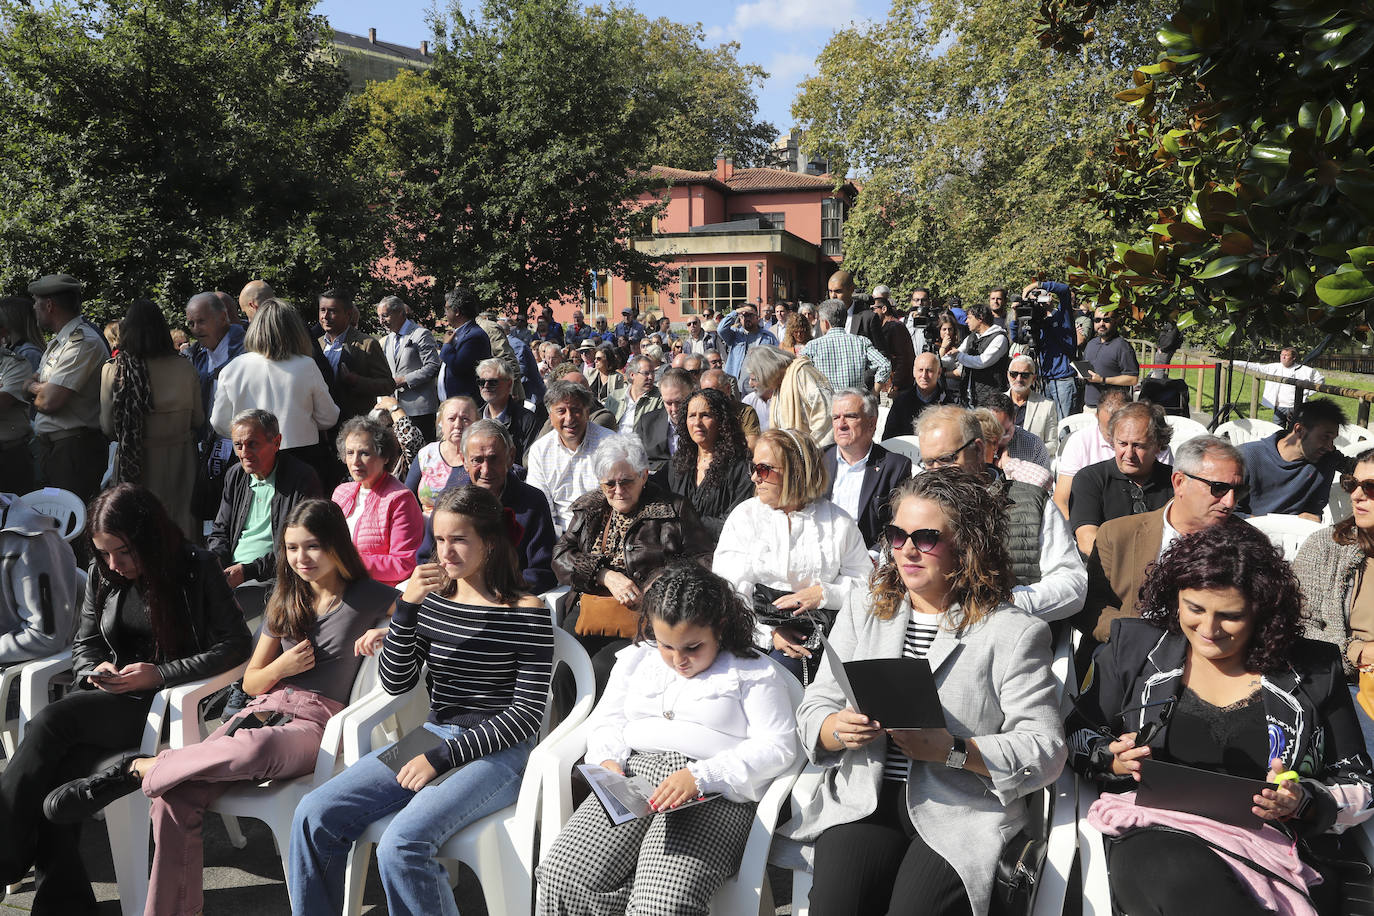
(219, 637)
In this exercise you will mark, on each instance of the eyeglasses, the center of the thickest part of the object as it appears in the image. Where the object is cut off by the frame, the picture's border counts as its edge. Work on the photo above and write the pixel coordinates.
(1137, 494)
(1219, 488)
(925, 539)
(619, 483)
(1350, 484)
(1014, 374)
(952, 457)
(488, 382)
(761, 471)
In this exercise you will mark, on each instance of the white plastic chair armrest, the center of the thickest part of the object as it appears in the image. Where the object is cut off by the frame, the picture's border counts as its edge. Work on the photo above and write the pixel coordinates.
(331, 744)
(34, 678)
(367, 714)
(556, 776)
(183, 704)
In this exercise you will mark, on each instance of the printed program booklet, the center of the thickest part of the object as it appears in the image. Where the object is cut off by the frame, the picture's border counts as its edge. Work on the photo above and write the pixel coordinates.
(626, 798)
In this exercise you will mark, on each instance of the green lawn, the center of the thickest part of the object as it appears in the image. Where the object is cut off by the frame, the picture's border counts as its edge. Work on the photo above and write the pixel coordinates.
(1241, 382)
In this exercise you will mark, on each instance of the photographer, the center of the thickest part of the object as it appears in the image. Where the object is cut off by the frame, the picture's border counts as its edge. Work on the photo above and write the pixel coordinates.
(922, 322)
(1045, 321)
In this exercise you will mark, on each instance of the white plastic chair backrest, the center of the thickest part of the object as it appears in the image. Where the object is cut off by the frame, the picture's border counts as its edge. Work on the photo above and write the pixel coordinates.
(883, 411)
(569, 651)
(1184, 429)
(1349, 434)
(1356, 448)
(1072, 424)
(1338, 507)
(366, 678)
(909, 446)
(63, 505)
(1286, 532)
(1246, 430)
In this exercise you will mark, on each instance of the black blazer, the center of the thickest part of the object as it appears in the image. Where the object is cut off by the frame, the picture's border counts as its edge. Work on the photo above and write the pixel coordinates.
(882, 473)
(652, 428)
(524, 425)
(868, 324)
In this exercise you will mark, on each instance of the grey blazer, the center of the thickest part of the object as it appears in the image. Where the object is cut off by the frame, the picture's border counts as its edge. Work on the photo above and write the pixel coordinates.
(415, 356)
(995, 687)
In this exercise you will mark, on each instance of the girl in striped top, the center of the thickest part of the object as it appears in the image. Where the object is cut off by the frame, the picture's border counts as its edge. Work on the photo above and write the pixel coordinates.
(488, 649)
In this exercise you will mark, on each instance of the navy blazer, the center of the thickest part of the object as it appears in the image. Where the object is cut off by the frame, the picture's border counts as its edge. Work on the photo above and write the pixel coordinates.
(884, 470)
(469, 346)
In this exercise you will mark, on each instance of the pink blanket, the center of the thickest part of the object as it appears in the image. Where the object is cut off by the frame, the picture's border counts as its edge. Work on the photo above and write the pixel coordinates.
(1114, 814)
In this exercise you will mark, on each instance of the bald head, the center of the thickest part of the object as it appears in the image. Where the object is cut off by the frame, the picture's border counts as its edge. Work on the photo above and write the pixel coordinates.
(254, 293)
(577, 378)
(719, 380)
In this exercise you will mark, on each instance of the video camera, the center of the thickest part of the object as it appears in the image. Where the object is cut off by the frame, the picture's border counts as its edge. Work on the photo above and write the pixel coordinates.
(1030, 311)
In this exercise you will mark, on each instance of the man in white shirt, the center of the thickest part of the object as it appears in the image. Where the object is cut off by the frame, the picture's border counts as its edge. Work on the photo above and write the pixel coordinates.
(1281, 398)
(862, 474)
(413, 358)
(1052, 575)
(560, 461)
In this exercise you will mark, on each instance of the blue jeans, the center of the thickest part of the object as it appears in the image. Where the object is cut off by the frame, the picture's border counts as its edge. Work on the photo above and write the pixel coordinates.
(330, 818)
(1063, 392)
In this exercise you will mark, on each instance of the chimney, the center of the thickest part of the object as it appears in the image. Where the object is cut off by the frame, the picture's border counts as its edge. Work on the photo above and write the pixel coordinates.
(725, 168)
(372, 36)
(424, 48)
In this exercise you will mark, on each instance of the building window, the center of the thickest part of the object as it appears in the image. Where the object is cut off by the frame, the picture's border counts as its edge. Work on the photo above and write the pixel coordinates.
(713, 289)
(832, 226)
(766, 220)
(782, 284)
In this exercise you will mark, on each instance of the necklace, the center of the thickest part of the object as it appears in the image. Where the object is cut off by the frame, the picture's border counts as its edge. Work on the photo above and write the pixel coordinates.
(663, 703)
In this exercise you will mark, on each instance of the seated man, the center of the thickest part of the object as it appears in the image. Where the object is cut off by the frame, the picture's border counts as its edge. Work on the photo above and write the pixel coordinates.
(1291, 472)
(598, 414)
(862, 473)
(487, 449)
(560, 462)
(259, 492)
(38, 594)
(928, 391)
(1131, 483)
(1020, 443)
(1050, 575)
(1089, 446)
(1208, 480)
(495, 381)
(657, 428)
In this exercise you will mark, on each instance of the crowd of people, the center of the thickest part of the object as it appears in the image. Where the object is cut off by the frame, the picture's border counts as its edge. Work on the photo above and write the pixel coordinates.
(725, 511)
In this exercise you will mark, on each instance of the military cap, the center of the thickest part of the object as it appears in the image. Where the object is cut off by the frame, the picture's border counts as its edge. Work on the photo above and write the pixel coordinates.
(55, 284)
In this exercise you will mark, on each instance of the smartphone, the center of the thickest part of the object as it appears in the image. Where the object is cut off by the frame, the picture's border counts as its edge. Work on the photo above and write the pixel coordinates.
(99, 674)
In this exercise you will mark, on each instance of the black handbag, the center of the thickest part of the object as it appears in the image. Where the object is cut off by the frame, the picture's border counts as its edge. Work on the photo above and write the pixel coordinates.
(811, 625)
(1018, 871)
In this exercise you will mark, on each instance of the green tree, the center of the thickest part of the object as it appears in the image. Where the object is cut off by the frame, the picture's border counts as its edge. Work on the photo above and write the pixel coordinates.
(1251, 150)
(155, 148)
(514, 164)
(974, 144)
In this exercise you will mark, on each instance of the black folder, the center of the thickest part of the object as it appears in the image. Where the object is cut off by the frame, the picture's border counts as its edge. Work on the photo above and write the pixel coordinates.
(897, 692)
(1219, 796)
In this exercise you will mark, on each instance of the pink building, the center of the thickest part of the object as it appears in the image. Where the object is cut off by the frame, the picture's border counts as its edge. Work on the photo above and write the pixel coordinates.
(732, 236)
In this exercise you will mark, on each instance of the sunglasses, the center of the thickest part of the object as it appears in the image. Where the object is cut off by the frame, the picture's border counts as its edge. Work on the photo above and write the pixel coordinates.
(1137, 494)
(761, 471)
(1102, 321)
(1350, 484)
(488, 382)
(1218, 488)
(1021, 374)
(925, 539)
(619, 483)
(952, 456)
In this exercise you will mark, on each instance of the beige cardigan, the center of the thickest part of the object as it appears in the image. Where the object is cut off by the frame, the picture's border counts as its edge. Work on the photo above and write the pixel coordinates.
(803, 402)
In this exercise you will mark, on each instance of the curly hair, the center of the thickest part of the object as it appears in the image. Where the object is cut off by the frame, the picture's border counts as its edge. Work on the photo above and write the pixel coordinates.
(731, 447)
(687, 592)
(1237, 555)
(976, 524)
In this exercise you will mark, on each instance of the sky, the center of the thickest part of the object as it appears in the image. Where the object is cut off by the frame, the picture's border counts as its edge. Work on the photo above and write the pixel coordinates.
(782, 36)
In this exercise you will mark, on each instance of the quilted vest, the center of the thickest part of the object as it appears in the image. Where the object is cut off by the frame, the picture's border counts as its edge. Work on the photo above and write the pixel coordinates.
(987, 381)
(1024, 518)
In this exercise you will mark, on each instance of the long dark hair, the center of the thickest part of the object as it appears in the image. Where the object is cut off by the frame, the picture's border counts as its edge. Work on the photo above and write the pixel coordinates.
(687, 592)
(143, 335)
(133, 514)
(1347, 532)
(1233, 554)
(730, 444)
(291, 609)
(501, 572)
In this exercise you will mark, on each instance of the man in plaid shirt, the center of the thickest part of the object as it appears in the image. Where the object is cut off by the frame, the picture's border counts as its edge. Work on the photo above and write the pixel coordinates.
(843, 357)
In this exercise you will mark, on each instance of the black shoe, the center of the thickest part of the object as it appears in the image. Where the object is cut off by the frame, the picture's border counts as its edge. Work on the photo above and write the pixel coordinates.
(77, 800)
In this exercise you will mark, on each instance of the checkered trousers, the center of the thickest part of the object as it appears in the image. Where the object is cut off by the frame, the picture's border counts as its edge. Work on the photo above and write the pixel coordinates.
(664, 865)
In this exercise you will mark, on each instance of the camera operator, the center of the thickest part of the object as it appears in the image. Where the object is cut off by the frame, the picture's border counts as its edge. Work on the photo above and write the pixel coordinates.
(1044, 320)
(922, 322)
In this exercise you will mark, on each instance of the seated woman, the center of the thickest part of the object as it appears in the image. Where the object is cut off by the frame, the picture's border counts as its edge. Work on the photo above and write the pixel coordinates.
(487, 649)
(790, 552)
(711, 467)
(319, 622)
(1216, 676)
(692, 708)
(1331, 567)
(157, 613)
(383, 516)
(913, 821)
(620, 535)
(429, 473)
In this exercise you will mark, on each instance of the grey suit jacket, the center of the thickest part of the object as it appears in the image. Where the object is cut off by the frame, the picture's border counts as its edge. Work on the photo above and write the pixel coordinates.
(996, 688)
(415, 356)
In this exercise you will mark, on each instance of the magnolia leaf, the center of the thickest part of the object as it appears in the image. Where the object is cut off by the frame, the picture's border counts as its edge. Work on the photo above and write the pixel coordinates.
(1336, 116)
(1221, 267)
(1345, 287)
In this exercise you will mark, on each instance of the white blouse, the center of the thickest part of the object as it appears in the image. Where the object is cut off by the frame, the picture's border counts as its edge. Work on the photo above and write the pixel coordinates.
(821, 545)
(734, 720)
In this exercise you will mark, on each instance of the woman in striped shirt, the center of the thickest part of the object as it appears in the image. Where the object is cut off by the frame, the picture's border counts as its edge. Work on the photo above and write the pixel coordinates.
(488, 649)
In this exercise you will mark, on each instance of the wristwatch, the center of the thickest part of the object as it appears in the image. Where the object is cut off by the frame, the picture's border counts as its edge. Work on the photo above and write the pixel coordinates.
(957, 754)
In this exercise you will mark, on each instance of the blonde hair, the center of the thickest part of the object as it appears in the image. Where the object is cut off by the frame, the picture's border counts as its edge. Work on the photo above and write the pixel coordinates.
(804, 477)
(277, 332)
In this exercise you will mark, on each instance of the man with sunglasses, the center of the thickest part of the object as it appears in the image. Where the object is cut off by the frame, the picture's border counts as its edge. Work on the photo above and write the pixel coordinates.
(862, 473)
(1049, 571)
(1290, 472)
(495, 382)
(1112, 357)
(698, 341)
(737, 334)
(1208, 481)
(1034, 412)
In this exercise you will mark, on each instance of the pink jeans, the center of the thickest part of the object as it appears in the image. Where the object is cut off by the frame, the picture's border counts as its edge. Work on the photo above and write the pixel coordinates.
(184, 782)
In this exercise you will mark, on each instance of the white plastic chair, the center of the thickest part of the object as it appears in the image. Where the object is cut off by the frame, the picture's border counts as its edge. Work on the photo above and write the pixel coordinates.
(63, 505)
(1092, 856)
(1246, 430)
(1351, 434)
(1072, 424)
(499, 848)
(11, 676)
(1184, 429)
(1338, 507)
(1287, 532)
(909, 446)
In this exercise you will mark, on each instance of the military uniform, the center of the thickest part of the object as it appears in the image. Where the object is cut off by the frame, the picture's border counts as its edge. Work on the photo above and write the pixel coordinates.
(71, 447)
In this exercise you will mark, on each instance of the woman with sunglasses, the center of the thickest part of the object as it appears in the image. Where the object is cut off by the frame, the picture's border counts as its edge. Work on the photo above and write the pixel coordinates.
(913, 821)
(1215, 676)
(1332, 566)
(790, 551)
(606, 379)
(619, 536)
